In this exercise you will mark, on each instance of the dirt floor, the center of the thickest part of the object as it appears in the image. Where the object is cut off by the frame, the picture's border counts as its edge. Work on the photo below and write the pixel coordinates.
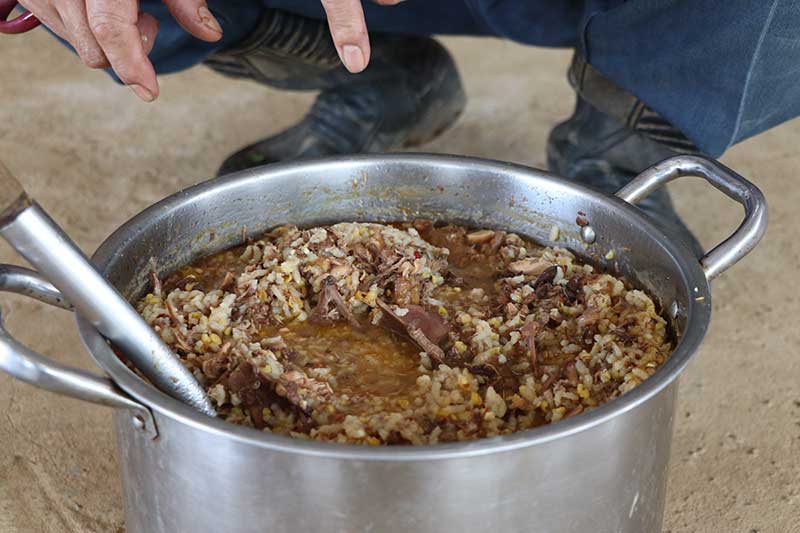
(93, 155)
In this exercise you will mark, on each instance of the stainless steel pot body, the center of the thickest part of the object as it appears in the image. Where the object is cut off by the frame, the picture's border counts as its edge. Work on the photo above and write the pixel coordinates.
(604, 470)
(611, 478)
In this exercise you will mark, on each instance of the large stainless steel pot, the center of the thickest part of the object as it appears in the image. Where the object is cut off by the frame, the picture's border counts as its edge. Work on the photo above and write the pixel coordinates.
(604, 470)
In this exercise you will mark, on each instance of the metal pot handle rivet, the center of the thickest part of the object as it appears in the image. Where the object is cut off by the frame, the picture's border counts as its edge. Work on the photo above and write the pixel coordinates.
(747, 235)
(24, 364)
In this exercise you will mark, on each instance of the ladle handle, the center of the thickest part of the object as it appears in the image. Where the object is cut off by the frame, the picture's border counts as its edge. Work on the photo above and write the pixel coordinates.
(26, 365)
(13, 198)
(36, 237)
(747, 235)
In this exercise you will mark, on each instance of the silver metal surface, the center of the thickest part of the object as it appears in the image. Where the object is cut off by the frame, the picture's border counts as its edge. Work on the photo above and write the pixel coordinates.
(746, 236)
(30, 283)
(39, 240)
(603, 470)
(609, 478)
(588, 235)
(26, 365)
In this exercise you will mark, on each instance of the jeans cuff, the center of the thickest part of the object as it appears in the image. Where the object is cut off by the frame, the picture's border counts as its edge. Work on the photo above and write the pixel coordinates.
(611, 99)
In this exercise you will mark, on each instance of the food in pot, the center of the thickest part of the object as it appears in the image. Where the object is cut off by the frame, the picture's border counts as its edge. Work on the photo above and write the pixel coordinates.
(407, 333)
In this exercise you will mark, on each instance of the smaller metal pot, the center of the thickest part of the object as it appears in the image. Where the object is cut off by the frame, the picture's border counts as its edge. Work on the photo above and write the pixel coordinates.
(603, 470)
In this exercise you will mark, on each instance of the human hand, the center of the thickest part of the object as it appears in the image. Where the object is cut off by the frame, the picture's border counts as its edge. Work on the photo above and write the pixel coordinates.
(114, 33)
(349, 31)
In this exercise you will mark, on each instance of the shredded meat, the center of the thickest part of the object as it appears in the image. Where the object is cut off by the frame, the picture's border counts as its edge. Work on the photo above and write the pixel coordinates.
(426, 329)
(157, 288)
(529, 334)
(415, 317)
(303, 391)
(228, 282)
(480, 236)
(434, 352)
(330, 295)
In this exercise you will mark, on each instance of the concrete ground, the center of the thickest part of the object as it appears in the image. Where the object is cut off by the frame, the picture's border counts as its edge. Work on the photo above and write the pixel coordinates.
(93, 155)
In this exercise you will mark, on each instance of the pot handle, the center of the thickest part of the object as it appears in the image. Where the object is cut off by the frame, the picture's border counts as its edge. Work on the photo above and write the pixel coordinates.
(747, 235)
(22, 363)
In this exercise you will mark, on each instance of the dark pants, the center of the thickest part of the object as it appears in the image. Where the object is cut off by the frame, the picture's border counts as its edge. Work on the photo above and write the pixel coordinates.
(719, 70)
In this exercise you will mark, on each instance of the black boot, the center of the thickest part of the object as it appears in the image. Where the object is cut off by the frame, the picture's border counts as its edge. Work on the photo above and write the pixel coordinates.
(409, 93)
(597, 150)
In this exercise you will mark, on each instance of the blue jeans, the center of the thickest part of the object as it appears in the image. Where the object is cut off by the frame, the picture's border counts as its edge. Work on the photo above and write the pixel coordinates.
(719, 70)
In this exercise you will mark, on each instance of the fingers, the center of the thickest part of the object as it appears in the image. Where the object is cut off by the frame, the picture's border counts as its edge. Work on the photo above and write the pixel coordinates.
(195, 18)
(48, 16)
(349, 31)
(114, 24)
(73, 14)
(148, 28)
(388, 2)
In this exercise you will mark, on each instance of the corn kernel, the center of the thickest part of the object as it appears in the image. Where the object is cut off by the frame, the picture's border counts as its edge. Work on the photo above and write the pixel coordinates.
(460, 347)
(205, 338)
(215, 339)
(261, 294)
(582, 392)
(442, 311)
(476, 398)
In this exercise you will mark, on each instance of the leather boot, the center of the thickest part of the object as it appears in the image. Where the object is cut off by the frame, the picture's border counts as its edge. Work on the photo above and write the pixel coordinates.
(409, 93)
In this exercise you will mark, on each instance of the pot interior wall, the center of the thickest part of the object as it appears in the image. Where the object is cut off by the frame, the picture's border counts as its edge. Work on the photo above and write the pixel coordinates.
(216, 215)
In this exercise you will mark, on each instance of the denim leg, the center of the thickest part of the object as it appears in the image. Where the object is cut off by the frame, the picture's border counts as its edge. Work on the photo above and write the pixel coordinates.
(175, 49)
(537, 22)
(411, 17)
(719, 70)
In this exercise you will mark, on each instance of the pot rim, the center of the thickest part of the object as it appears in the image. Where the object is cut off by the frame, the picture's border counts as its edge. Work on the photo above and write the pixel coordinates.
(698, 318)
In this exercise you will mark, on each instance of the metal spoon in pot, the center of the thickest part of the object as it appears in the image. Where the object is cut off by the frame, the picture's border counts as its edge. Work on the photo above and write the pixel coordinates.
(35, 236)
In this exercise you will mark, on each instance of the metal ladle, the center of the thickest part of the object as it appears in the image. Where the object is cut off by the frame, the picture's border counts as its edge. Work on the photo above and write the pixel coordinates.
(37, 238)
